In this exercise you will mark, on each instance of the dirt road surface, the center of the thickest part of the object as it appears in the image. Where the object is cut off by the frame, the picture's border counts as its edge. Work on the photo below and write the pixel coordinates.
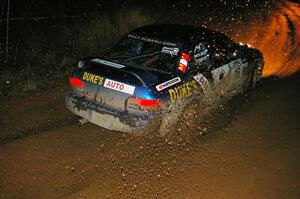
(254, 153)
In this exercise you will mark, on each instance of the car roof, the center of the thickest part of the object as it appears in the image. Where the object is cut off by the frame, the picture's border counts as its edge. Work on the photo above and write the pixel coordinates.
(172, 32)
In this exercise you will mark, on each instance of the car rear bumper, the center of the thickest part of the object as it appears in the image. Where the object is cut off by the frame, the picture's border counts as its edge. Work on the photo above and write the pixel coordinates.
(111, 120)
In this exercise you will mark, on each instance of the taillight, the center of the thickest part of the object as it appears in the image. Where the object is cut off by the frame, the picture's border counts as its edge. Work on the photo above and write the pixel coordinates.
(143, 104)
(74, 81)
(184, 60)
(146, 102)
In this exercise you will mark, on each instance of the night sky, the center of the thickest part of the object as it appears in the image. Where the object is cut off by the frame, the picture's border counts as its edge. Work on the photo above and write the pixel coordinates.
(39, 8)
(67, 27)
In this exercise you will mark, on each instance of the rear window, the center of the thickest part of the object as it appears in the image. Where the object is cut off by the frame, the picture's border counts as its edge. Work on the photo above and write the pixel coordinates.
(114, 74)
(149, 55)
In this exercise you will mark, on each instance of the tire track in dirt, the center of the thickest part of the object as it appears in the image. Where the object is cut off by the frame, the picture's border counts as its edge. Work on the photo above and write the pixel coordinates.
(276, 33)
(17, 134)
(30, 115)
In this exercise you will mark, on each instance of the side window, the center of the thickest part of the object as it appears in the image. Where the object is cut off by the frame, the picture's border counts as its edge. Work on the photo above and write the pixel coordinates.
(222, 50)
(230, 47)
(217, 53)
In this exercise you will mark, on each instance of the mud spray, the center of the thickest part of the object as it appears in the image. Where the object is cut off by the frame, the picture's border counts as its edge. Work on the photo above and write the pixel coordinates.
(277, 35)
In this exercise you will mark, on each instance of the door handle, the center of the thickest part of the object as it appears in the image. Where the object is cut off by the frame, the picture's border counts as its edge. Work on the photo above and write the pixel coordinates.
(221, 76)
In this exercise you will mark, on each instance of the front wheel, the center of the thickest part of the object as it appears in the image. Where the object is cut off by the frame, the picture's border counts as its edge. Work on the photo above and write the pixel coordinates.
(253, 79)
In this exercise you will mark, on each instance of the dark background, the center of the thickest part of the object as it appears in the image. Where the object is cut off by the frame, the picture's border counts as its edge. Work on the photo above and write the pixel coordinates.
(46, 38)
(248, 149)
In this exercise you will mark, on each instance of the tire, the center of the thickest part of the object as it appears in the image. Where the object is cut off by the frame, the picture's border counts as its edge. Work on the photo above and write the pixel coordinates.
(179, 118)
(253, 79)
(169, 121)
(251, 82)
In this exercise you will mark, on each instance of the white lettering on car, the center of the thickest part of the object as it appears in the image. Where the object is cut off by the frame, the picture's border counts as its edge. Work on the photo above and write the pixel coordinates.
(118, 86)
(200, 53)
(170, 50)
(166, 43)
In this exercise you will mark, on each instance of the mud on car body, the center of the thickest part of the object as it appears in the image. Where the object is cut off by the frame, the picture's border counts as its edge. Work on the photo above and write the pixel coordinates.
(144, 81)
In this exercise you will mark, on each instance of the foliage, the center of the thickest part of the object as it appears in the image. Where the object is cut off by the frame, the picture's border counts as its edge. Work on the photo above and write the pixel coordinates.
(41, 51)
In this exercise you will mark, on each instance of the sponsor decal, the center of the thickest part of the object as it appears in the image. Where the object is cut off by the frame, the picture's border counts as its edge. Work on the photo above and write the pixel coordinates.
(219, 73)
(183, 91)
(201, 59)
(170, 50)
(184, 60)
(200, 53)
(118, 86)
(199, 48)
(95, 79)
(167, 84)
(237, 65)
(165, 43)
(204, 83)
(108, 63)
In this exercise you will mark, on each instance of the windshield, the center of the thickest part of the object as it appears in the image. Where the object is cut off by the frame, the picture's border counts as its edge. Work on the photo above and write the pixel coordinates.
(147, 55)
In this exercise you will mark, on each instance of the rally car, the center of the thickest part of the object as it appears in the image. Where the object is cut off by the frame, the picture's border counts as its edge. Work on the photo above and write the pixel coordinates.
(154, 71)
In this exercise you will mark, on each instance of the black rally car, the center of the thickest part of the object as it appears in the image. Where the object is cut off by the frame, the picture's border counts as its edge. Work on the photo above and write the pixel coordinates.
(145, 81)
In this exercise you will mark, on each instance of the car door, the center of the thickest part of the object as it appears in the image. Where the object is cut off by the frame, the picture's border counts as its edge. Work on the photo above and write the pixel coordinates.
(238, 67)
(228, 66)
(237, 64)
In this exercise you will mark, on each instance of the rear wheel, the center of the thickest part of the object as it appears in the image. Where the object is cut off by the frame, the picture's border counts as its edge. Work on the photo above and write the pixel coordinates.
(169, 121)
(179, 118)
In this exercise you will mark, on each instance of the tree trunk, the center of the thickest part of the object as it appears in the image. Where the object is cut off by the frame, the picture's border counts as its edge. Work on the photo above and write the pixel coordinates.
(7, 30)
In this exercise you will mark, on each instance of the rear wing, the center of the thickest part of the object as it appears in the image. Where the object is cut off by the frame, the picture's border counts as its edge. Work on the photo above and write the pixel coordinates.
(117, 71)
